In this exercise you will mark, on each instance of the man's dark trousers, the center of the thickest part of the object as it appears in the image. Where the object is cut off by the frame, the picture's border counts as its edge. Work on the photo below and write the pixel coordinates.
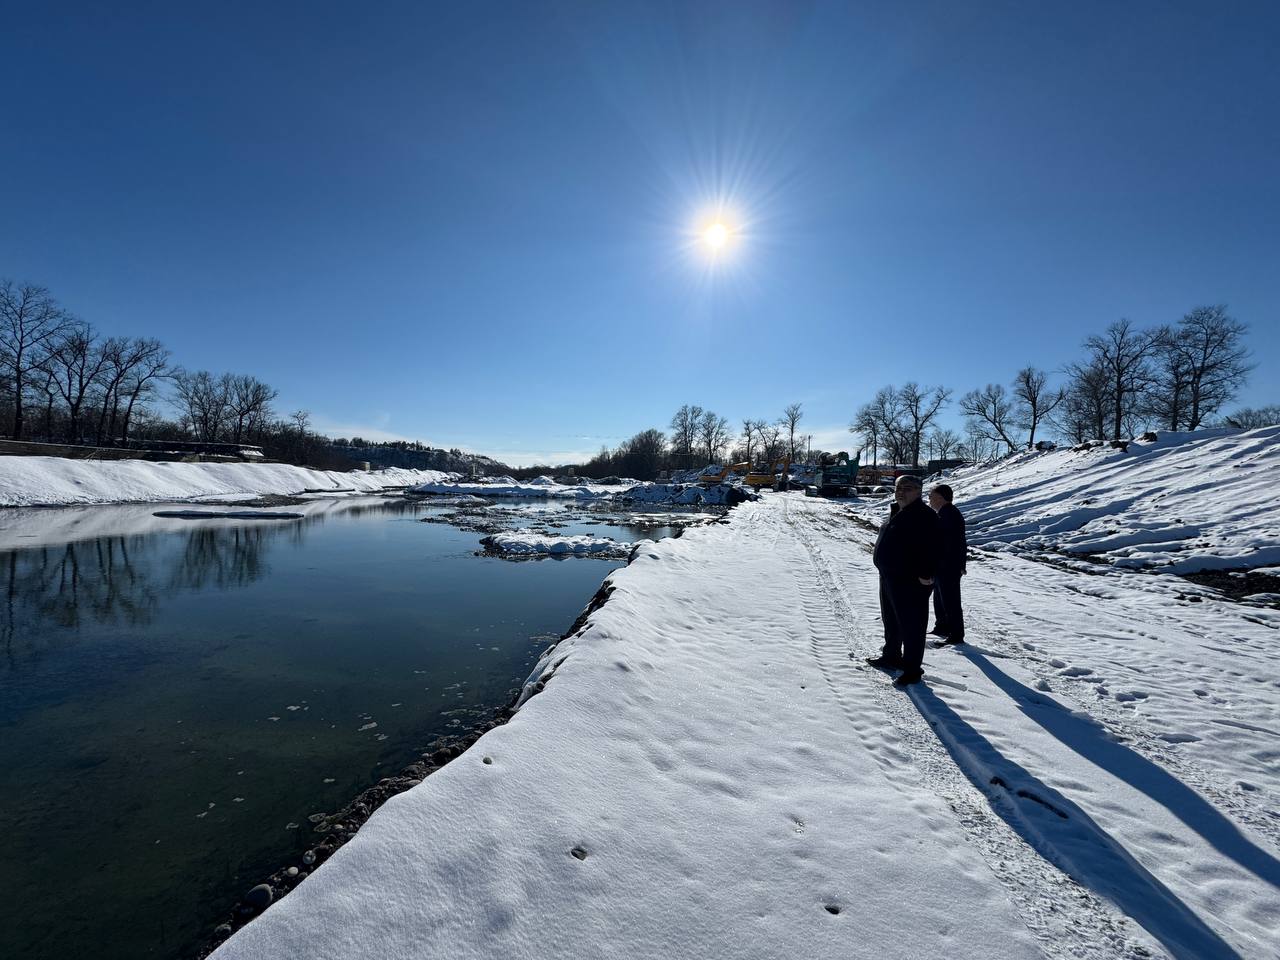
(892, 636)
(909, 611)
(946, 604)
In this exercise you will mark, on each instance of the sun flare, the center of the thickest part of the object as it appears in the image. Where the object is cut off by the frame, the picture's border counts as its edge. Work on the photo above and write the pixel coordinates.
(716, 236)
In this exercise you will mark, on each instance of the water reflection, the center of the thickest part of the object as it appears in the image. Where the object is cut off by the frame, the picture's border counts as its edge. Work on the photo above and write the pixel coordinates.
(52, 591)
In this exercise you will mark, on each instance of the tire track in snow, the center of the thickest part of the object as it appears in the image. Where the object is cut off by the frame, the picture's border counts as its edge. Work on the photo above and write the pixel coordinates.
(1067, 920)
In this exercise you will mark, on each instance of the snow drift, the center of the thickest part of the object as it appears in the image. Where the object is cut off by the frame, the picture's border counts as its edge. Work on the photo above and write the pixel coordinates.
(1182, 503)
(47, 481)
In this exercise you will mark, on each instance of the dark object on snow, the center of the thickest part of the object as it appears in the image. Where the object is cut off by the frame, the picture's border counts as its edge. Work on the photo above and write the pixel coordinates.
(884, 663)
(908, 678)
(1122, 445)
(1149, 437)
(1044, 446)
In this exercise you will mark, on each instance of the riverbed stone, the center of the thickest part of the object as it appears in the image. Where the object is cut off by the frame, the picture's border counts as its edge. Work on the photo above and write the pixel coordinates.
(260, 897)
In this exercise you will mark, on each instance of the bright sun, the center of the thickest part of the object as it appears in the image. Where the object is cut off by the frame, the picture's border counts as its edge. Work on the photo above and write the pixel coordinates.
(716, 236)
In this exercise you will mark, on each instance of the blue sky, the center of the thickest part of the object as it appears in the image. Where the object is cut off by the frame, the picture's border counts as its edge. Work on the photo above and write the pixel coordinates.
(472, 224)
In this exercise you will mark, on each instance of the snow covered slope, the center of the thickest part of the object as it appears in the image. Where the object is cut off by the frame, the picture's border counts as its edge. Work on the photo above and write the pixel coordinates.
(27, 481)
(1186, 502)
(510, 487)
(708, 774)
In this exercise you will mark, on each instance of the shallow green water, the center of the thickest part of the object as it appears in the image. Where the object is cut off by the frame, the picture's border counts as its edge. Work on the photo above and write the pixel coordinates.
(175, 703)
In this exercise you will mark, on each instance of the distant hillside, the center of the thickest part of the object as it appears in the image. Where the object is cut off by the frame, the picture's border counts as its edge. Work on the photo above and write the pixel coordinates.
(415, 456)
(1181, 503)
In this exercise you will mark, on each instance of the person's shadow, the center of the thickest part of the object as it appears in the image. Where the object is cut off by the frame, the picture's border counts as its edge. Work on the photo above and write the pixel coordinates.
(1062, 833)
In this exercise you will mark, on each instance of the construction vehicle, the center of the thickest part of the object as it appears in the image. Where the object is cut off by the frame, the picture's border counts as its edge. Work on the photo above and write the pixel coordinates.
(836, 476)
(714, 479)
(774, 475)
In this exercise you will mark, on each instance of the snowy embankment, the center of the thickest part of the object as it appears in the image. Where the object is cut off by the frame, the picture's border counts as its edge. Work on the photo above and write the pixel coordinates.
(1183, 503)
(675, 494)
(526, 544)
(509, 487)
(46, 481)
(706, 772)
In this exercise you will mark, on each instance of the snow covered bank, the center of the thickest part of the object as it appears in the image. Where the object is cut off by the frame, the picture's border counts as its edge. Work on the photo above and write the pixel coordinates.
(27, 481)
(527, 544)
(509, 487)
(1183, 503)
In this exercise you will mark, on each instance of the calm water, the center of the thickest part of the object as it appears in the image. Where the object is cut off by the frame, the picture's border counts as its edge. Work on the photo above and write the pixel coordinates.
(174, 703)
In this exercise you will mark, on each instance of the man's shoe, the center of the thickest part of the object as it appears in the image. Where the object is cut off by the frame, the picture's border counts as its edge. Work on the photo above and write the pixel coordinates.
(907, 679)
(884, 663)
(938, 632)
(951, 641)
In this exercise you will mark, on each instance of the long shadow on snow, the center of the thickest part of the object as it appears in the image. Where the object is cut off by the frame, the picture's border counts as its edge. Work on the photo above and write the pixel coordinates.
(1091, 741)
(1067, 837)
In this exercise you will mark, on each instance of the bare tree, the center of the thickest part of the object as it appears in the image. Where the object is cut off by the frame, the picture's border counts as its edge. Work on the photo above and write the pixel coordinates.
(205, 403)
(945, 442)
(30, 320)
(978, 446)
(792, 414)
(1033, 400)
(1248, 418)
(1212, 344)
(684, 432)
(150, 364)
(1083, 415)
(1124, 355)
(749, 435)
(713, 434)
(1168, 400)
(865, 426)
(74, 361)
(920, 406)
(249, 404)
(989, 412)
(892, 430)
(772, 445)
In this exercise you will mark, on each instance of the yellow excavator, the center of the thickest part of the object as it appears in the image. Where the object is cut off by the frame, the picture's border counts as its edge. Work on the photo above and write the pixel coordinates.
(713, 479)
(774, 475)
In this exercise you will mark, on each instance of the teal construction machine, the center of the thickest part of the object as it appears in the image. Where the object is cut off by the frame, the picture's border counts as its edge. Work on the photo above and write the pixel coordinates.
(835, 476)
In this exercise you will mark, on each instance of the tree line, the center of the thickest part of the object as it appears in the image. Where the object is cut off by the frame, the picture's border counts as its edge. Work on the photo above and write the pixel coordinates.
(63, 381)
(699, 437)
(1130, 380)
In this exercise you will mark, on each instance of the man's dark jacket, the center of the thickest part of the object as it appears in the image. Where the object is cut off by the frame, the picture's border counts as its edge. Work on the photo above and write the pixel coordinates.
(908, 543)
(953, 548)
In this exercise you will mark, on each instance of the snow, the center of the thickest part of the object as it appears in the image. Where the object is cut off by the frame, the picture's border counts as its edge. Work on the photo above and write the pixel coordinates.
(706, 772)
(1183, 503)
(508, 487)
(527, 543)
(679, 494)
(26, 481)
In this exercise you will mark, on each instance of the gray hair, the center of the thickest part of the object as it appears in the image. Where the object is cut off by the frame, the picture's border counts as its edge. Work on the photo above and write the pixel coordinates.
(907, 480)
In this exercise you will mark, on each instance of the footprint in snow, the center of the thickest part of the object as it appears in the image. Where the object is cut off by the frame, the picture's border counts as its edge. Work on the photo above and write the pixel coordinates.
(1075, 672)
(1178, 737)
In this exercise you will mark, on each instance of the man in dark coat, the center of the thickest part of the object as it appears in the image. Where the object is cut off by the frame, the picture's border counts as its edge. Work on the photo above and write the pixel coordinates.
(952, 556)
(906, 556)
